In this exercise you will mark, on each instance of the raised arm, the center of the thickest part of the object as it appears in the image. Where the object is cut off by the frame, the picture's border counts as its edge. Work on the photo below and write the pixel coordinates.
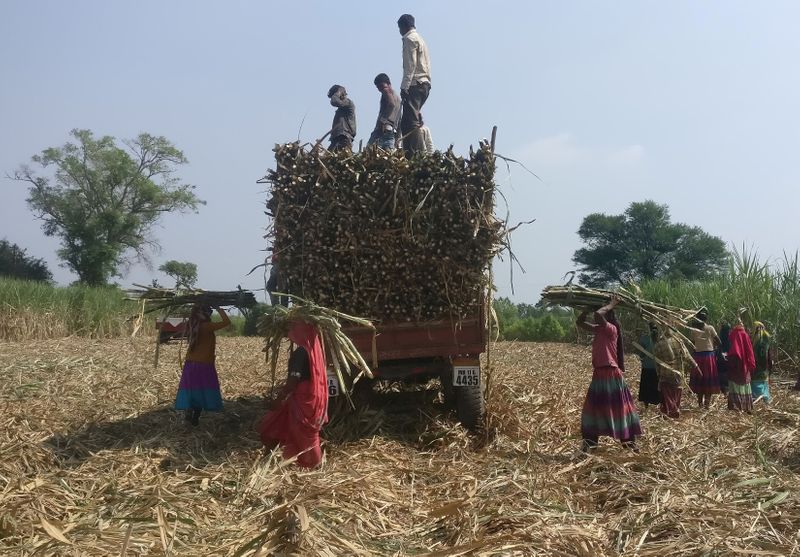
(341, 101)
(600, 314)
(582, 324)
(222, 324)
(715, 340)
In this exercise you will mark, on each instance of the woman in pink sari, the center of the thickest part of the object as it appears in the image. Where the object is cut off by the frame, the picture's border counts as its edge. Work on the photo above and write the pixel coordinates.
(296, 417)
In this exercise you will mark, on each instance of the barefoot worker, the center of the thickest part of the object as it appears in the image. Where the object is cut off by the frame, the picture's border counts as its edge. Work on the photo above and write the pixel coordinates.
(297, 415)
(609, 408)
(199, 386)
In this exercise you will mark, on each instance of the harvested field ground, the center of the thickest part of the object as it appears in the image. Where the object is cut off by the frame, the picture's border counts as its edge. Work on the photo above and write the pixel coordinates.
(95, 462)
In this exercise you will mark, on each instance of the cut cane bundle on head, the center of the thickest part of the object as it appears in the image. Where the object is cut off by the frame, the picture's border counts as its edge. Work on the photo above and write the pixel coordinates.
(155, 299)
(339, 349)
(374, 233)
(582, 297)
(662, 315)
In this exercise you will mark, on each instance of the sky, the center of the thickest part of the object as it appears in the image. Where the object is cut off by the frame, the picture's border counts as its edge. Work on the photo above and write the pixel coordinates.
(692, 104)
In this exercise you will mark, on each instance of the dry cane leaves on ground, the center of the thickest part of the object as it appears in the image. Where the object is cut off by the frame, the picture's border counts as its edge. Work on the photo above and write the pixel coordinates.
(95, 462)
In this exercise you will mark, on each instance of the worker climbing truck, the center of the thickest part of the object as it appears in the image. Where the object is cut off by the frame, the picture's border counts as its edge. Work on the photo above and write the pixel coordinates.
(405, 242)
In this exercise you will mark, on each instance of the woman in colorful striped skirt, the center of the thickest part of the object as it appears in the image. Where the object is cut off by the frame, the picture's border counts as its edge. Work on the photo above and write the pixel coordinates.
(703, 380)
(759, 383)
(741, 362)
(609, 409)
(199, 386)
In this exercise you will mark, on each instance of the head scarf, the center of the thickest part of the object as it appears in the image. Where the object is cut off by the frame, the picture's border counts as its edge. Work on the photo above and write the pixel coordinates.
(724, 338)
(199, 314)
(761, 346)
(741, 347)
(313, 403)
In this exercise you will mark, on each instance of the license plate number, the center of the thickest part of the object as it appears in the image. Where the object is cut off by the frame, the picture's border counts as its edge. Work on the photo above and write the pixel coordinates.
(466, 376)
(333, 385)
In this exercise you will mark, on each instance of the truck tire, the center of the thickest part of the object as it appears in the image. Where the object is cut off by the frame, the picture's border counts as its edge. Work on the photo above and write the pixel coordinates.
(470, 406)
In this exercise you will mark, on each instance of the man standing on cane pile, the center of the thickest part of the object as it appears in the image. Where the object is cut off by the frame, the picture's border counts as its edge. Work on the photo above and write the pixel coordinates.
(416, 84)
(388, 115)
(343, 129)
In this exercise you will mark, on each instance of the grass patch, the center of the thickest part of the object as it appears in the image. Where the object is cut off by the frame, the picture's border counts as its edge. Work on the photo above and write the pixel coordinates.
(38, 310)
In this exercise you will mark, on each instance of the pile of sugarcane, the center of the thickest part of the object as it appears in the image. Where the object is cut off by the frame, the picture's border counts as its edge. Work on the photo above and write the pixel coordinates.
(374, 233)
(155, 299)
(340, 351)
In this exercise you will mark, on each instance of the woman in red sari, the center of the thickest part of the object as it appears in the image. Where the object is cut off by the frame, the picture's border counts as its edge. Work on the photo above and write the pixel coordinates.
(296, 417)
(741, 362)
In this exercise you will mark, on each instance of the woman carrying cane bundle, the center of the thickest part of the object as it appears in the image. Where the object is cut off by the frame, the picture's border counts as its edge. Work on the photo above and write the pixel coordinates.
(608, 409)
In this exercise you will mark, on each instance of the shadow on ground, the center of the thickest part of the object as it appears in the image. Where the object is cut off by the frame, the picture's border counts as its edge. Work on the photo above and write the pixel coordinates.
(218, 435)
(414, 417)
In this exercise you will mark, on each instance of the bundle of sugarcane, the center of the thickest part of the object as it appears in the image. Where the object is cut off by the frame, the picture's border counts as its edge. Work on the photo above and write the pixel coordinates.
(582, 297)
(340, 351)
(374, 233)
(155, 299)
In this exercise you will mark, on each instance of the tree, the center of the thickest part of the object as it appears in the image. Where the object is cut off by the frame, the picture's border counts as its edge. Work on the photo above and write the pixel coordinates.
(103, 200)
(643, 243)
(184, 273)
(16, 263)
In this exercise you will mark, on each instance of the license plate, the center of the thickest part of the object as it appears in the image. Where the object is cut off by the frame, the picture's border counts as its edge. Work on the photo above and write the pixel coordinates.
(466, 376)
(333, 385)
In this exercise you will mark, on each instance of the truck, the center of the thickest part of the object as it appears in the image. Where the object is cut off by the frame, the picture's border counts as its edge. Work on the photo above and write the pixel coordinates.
(171, 328)
(444, 349)
(403, 240)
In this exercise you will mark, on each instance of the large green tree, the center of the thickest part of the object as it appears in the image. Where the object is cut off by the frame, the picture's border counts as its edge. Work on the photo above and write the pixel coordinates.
(103, 199)
(16, 263)
(643, 243)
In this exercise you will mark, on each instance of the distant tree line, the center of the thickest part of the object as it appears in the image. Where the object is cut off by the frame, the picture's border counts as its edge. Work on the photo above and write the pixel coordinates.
(528, 322)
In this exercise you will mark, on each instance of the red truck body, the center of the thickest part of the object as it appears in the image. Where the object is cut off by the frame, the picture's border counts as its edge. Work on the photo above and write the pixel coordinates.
(405, 349)
(171, 328)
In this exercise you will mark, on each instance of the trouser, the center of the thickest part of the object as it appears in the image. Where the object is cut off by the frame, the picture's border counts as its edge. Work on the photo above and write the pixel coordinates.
(411, 121)
(384, 140)
(341, 143)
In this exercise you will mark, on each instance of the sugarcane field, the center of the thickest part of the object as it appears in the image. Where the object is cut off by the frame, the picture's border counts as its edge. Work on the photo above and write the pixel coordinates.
(521, 281)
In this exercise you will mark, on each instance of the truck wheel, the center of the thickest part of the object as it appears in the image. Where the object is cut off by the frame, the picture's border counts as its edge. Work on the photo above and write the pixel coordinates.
(470, 406)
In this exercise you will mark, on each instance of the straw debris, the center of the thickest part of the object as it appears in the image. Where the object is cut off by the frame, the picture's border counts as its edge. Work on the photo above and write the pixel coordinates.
(95, 462)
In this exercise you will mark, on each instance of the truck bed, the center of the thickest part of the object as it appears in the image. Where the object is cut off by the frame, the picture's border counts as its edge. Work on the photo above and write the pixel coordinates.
(429, 339)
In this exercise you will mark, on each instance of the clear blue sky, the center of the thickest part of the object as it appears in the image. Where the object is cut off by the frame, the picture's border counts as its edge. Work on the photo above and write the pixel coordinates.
(693, 104)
